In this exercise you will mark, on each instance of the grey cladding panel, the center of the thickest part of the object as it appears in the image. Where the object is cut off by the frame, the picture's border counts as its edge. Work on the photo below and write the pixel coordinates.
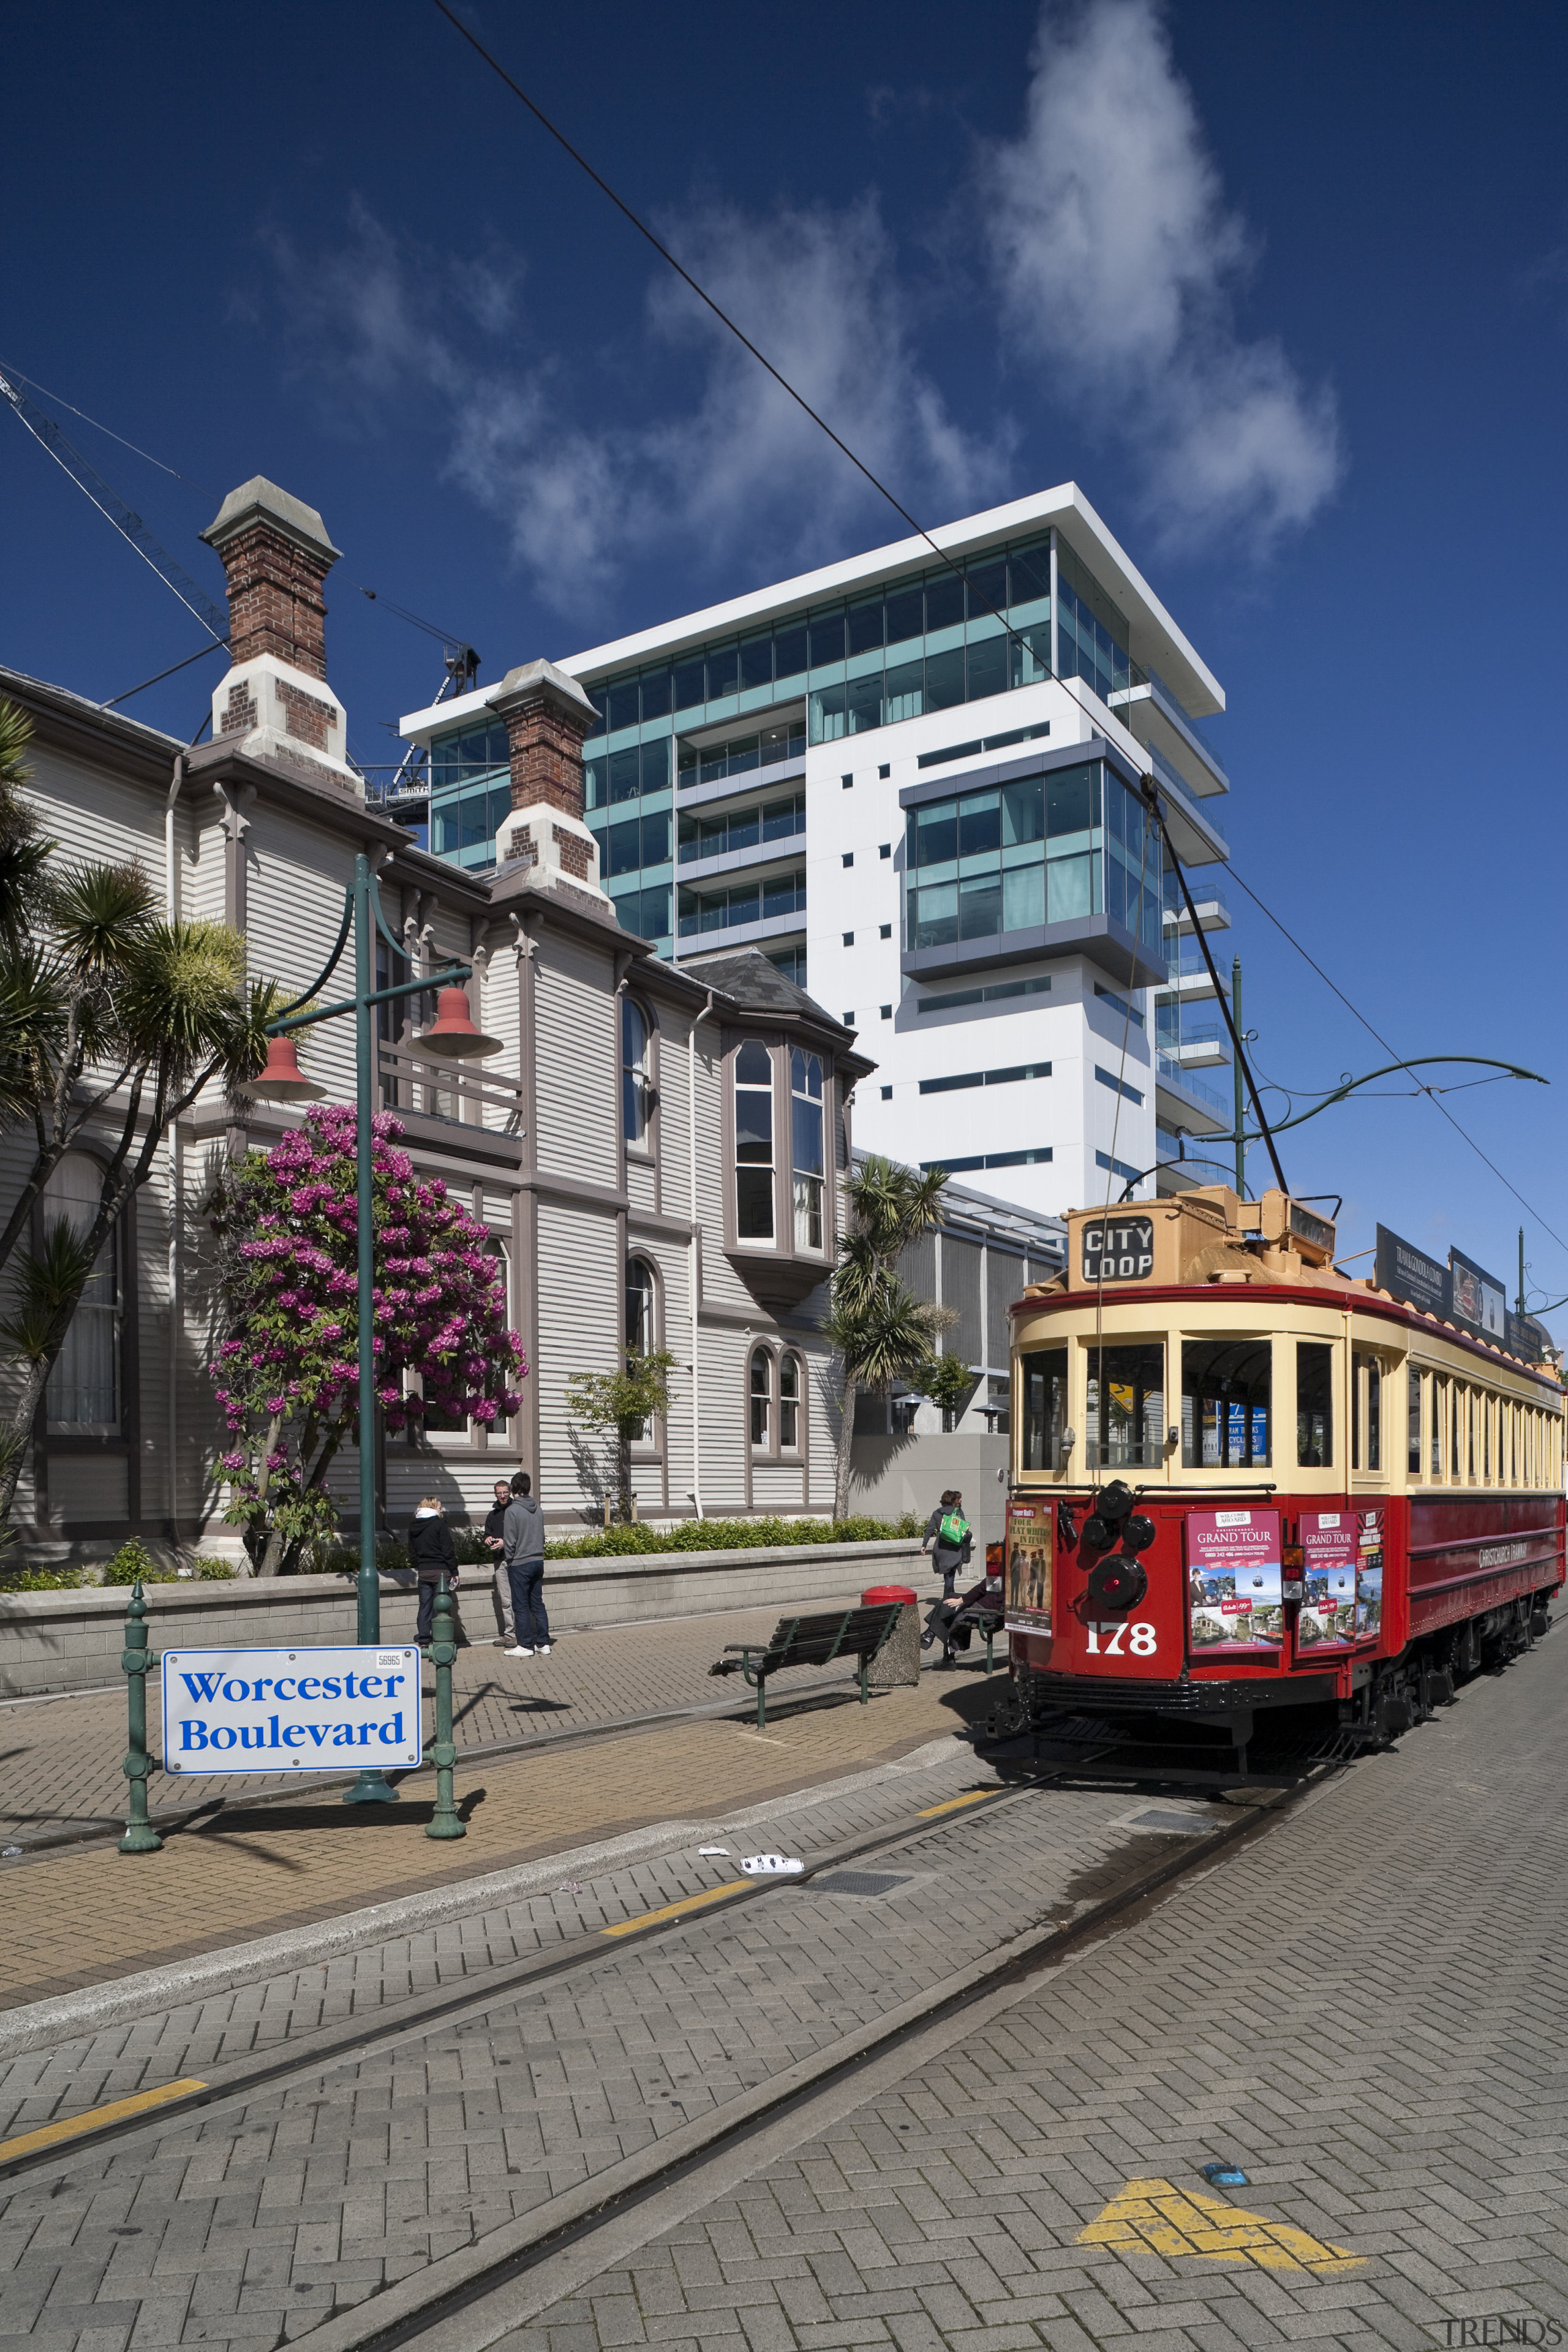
(1004, 1278)
(961, 1278)
(917, 1266)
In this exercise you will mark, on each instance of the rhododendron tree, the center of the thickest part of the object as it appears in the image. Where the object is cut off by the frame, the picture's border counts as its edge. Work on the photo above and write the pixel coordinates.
(286, 1368)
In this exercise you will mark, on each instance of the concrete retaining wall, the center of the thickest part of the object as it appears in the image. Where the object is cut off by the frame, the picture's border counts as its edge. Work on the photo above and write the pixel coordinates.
(891, 1475)
(72, 1640)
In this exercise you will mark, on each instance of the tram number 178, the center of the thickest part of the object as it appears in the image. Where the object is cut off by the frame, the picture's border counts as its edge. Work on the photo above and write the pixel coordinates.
(1111, 1638)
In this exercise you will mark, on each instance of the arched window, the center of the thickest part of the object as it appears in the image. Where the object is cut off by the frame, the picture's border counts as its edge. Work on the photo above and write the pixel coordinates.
(754, 1143)
(83, 1399)
(762, 1394)
(636, 1088)
(789, 1404)
(640, 1307)
(805, 1142)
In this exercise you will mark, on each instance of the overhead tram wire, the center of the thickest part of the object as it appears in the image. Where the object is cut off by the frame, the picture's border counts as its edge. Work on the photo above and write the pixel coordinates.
(723, 316)
(1432, 1092)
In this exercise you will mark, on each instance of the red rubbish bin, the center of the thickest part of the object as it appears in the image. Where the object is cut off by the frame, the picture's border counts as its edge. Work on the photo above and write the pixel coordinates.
(879, 1595)
(898, 1661)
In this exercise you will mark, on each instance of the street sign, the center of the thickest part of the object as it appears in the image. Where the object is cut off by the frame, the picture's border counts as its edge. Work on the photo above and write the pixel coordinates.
(305, 1710)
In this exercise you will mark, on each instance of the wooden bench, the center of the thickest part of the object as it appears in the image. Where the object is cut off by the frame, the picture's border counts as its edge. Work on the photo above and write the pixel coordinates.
(811, 1641)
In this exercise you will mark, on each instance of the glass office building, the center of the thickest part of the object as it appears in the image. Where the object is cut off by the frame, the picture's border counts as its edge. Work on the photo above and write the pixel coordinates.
(915, 782)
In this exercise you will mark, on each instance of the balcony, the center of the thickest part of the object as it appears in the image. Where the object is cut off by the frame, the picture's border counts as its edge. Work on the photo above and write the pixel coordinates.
(1151, 713)
(1187, 983)
(1213, 908)
(1186, 1101)
(1201, 1047)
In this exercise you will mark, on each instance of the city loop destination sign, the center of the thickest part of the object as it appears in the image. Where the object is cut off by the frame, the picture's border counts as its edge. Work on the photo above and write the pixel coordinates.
(289, 1710)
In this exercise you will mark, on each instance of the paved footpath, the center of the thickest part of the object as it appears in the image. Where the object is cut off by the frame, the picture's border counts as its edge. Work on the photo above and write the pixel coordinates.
(249, 2221)
(268, 1865)
(59, 1757)
(1363, 2009)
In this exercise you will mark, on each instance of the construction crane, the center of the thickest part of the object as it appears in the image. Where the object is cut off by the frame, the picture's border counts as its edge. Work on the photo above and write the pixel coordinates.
(128, 523)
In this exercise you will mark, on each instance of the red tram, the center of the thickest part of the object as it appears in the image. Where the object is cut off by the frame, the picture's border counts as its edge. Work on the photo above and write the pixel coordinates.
(1244, 1481)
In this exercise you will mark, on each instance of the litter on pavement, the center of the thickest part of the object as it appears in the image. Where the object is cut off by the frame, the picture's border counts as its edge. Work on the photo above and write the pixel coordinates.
(772, 1866)
(713, 1849)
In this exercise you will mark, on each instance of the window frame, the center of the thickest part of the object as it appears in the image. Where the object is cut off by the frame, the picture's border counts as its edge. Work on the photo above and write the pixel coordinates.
(651, 1446)
(792, 1448)
(646, 1152)
(763, 1447)
(92, 1435)
(782, 1247)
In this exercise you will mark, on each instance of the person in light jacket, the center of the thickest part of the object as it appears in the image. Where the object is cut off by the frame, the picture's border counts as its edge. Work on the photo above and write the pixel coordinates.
(524, 1537)
(431, 1550)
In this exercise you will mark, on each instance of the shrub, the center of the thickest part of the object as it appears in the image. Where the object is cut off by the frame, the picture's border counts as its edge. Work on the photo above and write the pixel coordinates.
(41, 1580)
(471, 1548)
(208, 1565)
(733, 1534)
(133, 1563)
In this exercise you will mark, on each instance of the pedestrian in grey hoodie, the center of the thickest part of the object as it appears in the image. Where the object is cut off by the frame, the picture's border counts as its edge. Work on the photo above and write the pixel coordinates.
(523, 1535)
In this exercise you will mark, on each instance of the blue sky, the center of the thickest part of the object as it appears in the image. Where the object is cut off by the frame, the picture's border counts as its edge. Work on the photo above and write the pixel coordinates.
(1285, 291)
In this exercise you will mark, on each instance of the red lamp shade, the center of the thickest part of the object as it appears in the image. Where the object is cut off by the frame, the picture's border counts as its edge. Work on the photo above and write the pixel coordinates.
(283, 1080)
(453, 1038)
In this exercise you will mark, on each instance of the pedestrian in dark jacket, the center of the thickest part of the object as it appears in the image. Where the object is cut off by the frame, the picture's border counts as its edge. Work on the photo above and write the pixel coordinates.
(495, 1541)
(947, 1557)
(430, 1548)
(523, 1537)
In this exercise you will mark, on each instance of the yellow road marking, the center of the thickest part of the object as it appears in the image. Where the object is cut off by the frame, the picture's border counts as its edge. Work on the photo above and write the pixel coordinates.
(117, 2110)
(951, 1803)
(675, 1910)
(1154, 2215)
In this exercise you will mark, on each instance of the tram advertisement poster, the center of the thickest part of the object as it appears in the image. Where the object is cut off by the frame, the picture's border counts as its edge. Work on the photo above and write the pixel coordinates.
(1235, 1579)
(1369, 1573)
(1330, 1553)
(1030, 1542)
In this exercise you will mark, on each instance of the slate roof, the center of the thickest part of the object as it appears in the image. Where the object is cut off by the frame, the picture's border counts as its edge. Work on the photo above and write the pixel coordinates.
(747, 977)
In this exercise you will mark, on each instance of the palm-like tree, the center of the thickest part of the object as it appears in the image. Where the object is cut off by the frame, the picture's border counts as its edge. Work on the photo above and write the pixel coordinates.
(881, 1330)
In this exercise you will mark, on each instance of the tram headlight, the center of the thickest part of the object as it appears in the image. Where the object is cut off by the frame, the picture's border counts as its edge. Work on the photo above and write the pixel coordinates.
(1114, 1500)
(1137, 1533)
(1117, 1582)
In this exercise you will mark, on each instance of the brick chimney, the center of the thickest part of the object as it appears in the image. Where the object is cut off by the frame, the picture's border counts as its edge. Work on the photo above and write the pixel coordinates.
(547, 716)
(274, 704)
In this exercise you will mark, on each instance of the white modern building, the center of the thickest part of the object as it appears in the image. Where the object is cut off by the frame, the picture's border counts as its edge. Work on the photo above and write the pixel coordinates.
(911, 779)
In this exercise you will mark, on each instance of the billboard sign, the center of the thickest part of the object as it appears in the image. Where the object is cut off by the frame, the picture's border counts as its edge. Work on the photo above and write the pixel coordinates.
(1409, 1274)
(1234, 1581)
(1476, 1299)
(307, 1710)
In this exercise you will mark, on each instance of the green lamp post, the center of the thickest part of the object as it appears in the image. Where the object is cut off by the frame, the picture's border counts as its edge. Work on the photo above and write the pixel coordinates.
(452, 1037)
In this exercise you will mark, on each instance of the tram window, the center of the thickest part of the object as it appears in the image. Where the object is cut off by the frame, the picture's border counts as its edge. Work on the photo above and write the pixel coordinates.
(1134, 1431)
(1044, 1373)
(1414, 1462)
(1366, 1411)
(1314, 1404)
(1439, 1399)
(1225, 1403)
(1456, 1416)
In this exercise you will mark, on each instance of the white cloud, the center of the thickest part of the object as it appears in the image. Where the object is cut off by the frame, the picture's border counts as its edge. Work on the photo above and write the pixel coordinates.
(733, 465)
(1116, 262)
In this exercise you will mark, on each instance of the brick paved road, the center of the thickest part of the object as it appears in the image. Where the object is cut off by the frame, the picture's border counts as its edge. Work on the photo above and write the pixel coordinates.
(60, 1759)
(79, 1917)
(1363, 2008)
(246, 2225)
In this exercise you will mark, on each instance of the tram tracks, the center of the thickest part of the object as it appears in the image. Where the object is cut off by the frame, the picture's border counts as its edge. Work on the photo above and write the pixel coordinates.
(571, 2227)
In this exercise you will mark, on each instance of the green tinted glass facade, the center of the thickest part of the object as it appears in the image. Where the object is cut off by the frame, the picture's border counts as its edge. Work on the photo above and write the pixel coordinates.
(1047, 849)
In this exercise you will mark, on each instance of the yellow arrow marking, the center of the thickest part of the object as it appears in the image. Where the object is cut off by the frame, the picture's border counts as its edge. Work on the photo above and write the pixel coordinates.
(1171, 2221)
